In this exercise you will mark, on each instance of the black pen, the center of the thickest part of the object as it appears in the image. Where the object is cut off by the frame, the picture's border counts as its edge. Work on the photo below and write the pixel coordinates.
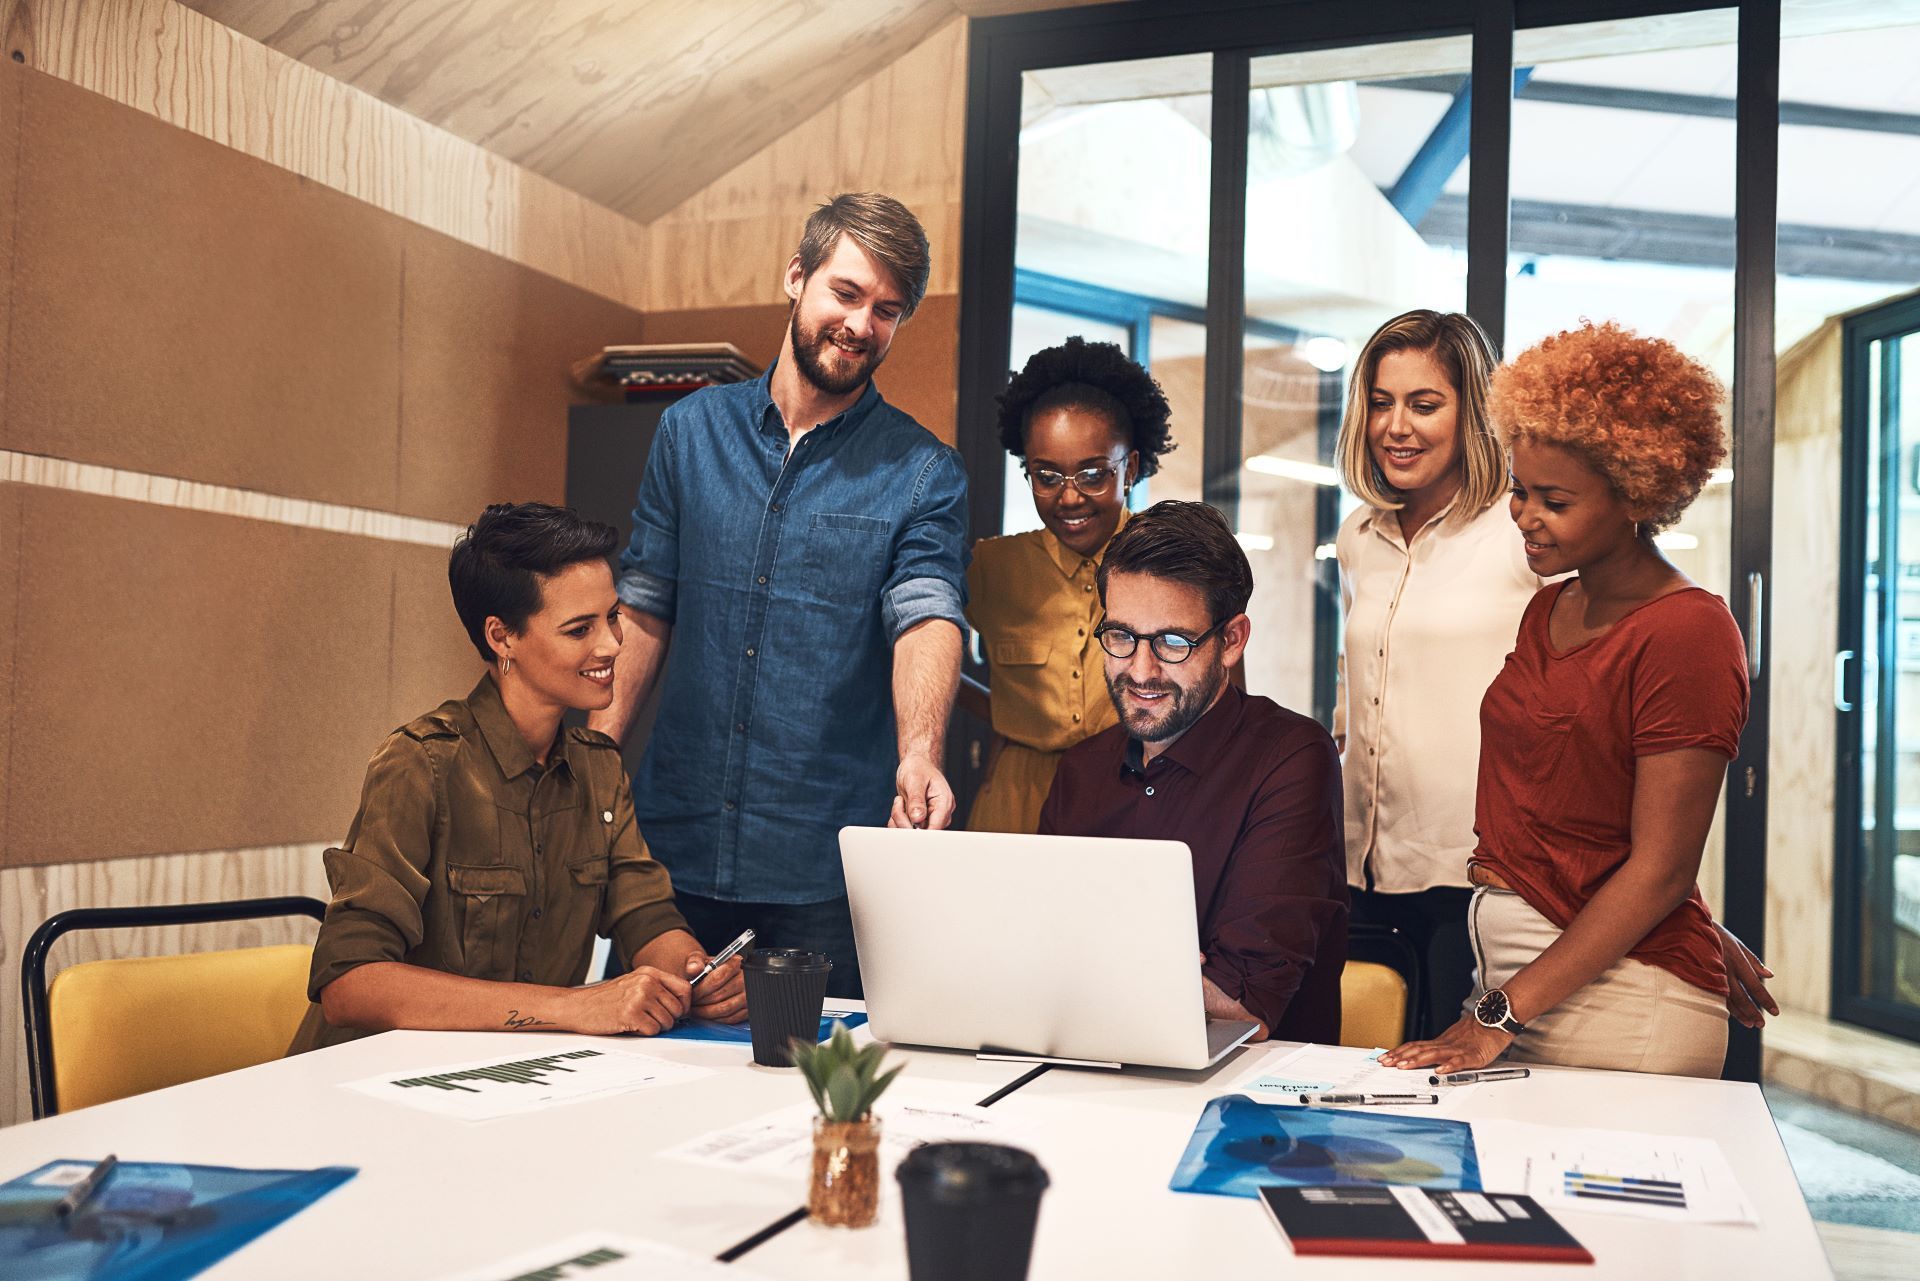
(80, 1192)
(1486, 1074)
(727, 953)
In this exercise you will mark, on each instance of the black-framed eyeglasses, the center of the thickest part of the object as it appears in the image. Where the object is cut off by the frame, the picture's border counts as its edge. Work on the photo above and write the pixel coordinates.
(1168, 647)
(1092, 482)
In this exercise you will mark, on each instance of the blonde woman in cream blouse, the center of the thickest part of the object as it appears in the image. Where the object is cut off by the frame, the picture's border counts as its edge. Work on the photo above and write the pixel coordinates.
(1434, 580)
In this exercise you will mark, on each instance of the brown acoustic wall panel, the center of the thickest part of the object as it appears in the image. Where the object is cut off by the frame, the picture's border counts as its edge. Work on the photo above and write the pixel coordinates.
(183, 309)
(921, 373)
(10, 504)
(487, 347)
(186, 681)
(432, 658)
(12, 79)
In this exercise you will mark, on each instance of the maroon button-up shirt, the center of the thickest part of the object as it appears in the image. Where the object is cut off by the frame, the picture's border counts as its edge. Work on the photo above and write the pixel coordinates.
(1254, 791)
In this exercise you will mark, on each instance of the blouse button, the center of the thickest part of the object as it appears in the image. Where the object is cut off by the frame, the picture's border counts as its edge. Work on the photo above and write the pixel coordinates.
(1076, 716)
(1149, 791)
(1087, 588)
(606, 816)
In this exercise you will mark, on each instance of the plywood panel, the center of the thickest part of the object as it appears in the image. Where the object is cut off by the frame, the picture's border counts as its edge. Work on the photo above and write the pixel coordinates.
(10, 534)
(1806, 567)
(633, 103)
(901, 131)
(920, 375)
(185, 310)
(487, 346)
(189, 682)
(29, 895)
(166, 60)
(433, 660)
(11, 86)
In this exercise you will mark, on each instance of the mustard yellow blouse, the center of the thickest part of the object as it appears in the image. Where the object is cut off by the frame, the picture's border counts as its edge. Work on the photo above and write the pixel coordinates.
(1035, 606)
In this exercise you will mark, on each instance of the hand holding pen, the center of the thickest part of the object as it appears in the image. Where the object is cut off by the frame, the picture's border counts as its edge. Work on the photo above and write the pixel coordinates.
(718, 990)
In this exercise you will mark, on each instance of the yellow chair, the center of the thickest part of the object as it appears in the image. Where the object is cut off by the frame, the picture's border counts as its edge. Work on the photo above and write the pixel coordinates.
(1381, 988)
(108, 1029)
(1373, 1005)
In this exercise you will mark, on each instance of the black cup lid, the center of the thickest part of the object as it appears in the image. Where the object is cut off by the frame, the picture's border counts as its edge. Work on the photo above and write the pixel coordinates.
(968, 1172)
(786, 960)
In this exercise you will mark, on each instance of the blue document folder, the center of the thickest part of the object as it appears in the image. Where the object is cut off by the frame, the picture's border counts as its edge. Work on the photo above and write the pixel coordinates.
(1240, 1146)
(148, 1221)
(742, 1033)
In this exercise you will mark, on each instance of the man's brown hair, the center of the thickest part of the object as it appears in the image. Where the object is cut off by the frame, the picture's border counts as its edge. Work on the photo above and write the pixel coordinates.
(1189, 543)
(879, 224)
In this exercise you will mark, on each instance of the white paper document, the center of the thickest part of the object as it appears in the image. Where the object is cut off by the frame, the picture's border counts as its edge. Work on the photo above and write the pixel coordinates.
(487, 1089)
(1335, 1069)
(1678, 1178)
(606, 1256)
(781, 1143)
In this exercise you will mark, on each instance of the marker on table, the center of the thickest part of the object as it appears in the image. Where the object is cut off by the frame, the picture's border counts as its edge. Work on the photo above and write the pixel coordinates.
(81, 1192)
(726, 954)
(1369, 1099)
(1487, 1074)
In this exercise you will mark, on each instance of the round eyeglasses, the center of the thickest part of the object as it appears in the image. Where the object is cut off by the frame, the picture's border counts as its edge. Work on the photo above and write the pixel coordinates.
(1168, 647)
(1091, 482)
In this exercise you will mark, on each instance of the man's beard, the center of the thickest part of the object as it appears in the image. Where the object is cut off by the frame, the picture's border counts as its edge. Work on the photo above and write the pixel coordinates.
(1184, 706)
(809, 355)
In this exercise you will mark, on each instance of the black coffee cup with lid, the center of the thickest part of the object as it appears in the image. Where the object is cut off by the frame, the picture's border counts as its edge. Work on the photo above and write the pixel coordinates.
(971, 1209)
(786, 990)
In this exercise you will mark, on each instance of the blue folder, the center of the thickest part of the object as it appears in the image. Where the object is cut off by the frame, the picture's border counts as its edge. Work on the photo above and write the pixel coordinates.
(148, 1221)
(742, 1033)
(1240, 1146)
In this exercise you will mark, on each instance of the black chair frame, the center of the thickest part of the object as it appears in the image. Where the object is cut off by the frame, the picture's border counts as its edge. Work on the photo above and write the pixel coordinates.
(33, 965)
(1385, 945)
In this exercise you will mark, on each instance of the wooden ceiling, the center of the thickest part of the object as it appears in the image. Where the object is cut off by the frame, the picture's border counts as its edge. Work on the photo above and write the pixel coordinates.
(635, 104)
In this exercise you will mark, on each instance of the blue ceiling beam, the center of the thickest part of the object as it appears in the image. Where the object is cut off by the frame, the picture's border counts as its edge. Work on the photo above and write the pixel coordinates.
(1427, 174)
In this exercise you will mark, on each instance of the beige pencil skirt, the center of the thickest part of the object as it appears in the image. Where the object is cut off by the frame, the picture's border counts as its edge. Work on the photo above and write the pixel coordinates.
(1634, 1018)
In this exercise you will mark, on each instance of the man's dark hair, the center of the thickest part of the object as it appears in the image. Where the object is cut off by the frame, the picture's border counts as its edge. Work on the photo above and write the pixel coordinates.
(879, 224)
(1189, 543)
(1096, 377)
(496, 566)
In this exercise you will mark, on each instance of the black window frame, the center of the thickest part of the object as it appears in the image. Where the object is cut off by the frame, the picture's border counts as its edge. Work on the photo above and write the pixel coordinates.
(1001, 49)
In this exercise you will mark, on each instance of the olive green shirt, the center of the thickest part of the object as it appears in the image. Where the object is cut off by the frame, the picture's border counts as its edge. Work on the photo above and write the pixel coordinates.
(469, 856)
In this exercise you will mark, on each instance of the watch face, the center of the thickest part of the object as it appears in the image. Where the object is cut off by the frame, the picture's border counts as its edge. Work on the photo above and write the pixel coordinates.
(1493, 1009)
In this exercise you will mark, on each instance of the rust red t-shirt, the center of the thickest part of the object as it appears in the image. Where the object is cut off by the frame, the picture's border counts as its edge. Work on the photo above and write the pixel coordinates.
(1559, 737)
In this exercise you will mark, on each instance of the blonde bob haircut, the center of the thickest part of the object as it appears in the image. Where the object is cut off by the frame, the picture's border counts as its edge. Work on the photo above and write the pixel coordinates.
(1463, 349)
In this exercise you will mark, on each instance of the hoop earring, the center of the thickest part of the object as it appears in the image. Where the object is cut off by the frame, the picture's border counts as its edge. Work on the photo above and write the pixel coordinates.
(506, 664)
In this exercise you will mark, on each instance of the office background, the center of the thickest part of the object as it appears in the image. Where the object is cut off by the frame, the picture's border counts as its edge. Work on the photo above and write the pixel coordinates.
(288, 299)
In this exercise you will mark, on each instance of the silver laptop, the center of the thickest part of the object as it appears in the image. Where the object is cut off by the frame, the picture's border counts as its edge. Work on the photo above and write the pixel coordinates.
(1055, 948)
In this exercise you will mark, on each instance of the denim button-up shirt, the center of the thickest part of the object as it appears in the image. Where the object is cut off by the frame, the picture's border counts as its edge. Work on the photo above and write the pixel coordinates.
(787, 577)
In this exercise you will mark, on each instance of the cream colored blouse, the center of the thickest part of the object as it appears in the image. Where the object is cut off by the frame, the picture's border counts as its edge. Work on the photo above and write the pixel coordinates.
(1427, 630)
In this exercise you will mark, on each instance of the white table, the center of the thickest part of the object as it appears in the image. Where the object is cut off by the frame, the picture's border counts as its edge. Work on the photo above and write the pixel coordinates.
(436, 1195)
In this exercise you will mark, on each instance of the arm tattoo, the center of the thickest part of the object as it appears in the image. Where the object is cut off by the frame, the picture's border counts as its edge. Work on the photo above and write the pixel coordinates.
(515, 1020)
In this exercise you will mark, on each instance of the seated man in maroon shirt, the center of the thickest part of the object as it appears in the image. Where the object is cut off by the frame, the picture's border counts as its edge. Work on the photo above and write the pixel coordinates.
(1252, 788)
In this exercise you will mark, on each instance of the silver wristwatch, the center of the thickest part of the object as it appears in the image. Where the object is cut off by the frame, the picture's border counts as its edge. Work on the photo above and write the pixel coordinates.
(1495, 1011)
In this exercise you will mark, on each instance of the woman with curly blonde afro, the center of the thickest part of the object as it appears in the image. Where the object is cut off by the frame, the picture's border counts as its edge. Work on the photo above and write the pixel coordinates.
(1606, 736)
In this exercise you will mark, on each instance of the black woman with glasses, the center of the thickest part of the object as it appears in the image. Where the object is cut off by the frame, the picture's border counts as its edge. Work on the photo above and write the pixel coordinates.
(1088, 424)
(1252, 789)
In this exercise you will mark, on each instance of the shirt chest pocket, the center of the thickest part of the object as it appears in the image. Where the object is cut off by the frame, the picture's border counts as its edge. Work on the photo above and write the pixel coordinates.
(1021, 653)
(489, 900)
(1548, 732)
(845, 557)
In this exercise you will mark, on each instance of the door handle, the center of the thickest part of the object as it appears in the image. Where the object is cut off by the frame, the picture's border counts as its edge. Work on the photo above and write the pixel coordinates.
(1756, 617)
(1841, 702)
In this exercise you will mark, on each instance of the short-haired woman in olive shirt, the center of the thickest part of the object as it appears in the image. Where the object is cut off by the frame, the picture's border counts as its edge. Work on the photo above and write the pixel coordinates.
(1605, 739)
(490, 846)
(1089, 424)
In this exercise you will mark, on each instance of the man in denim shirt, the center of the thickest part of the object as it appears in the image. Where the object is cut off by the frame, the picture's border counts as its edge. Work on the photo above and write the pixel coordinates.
(798, 565)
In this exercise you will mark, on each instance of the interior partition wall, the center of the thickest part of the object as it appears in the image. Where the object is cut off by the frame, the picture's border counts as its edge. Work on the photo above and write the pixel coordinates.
(1217, 58)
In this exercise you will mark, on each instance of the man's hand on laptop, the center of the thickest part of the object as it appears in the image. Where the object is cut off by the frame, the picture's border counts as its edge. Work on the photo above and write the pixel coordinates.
(922, 797)
(1221, 1006)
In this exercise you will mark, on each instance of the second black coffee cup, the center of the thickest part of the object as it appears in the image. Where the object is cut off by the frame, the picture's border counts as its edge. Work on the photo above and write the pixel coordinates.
(971, 1209)
(786, 990)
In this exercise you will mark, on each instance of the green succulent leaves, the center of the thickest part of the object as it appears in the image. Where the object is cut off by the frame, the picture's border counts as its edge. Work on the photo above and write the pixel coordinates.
(845, 1079)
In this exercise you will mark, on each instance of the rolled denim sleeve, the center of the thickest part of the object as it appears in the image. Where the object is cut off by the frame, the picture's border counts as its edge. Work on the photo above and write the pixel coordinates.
(929, 574)
(650, 565)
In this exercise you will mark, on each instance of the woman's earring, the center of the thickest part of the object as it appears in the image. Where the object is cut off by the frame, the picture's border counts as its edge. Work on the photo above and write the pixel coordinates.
(506, 664)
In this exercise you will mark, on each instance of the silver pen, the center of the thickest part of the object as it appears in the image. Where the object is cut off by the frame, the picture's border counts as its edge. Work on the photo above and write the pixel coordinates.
(1486, 1074)
(1369, 1099)
(725, 954)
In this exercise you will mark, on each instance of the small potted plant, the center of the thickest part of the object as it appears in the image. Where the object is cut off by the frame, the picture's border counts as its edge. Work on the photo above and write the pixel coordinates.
(845, 1080)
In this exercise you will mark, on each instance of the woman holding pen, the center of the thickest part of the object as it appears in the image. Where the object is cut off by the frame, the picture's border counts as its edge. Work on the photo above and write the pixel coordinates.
(1606, 736)
(1088, 423)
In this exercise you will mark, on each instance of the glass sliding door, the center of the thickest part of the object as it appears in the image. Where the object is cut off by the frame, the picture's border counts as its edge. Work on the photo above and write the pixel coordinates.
(1877, 675)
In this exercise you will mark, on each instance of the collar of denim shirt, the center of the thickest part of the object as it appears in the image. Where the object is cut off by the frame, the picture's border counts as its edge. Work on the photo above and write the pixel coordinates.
(772, 424)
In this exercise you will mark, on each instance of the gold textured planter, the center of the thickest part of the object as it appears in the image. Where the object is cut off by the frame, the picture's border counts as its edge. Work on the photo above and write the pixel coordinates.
(845, 1189)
